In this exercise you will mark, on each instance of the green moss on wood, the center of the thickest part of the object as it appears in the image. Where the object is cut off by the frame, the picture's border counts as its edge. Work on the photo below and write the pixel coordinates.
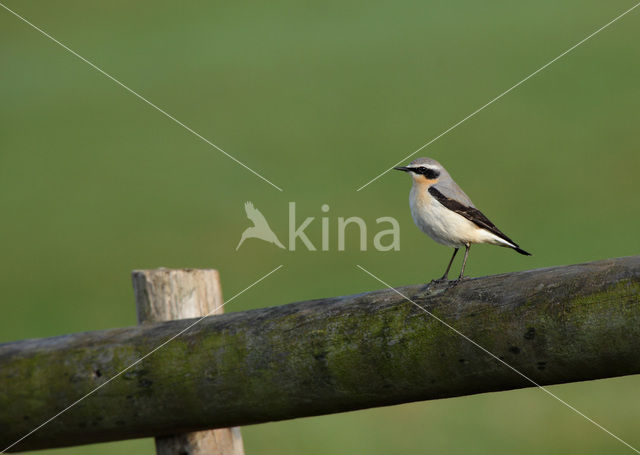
(555, 325)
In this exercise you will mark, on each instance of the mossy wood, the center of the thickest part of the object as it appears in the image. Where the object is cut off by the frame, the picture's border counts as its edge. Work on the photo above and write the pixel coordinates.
(555, 325)
(166, 295)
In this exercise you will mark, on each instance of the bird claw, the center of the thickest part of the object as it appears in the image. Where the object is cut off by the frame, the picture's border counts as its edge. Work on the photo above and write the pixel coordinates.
(458, 280)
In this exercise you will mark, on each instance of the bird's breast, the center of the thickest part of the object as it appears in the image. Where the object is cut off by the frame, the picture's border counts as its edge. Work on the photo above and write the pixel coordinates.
(438, 222)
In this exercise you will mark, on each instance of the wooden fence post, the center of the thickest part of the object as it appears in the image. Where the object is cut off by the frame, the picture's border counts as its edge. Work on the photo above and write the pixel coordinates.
(169, 294)
(554, 325)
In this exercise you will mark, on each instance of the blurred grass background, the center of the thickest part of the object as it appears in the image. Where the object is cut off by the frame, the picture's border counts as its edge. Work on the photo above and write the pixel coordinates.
(319, 97)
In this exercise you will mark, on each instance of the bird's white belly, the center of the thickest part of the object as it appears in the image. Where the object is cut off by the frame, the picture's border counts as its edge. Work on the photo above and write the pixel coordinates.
(441, 224)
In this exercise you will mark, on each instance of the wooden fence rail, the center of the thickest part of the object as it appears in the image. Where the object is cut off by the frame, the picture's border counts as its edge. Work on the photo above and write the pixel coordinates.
(555, 325)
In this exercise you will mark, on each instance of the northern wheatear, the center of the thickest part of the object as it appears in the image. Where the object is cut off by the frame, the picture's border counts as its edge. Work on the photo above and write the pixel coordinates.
(445, 213)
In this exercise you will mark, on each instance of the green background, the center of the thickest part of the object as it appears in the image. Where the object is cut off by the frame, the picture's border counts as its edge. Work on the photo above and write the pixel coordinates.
(319, 97)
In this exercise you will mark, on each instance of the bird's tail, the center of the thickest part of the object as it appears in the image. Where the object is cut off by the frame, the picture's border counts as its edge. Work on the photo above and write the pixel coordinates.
(521, 251)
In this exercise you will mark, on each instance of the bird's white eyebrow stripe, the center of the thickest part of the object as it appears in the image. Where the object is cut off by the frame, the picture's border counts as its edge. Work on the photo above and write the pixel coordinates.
(433, 167)
(500, 96)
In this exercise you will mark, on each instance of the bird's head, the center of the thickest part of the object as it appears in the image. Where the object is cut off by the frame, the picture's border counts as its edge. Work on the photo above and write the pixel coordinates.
(423, 171)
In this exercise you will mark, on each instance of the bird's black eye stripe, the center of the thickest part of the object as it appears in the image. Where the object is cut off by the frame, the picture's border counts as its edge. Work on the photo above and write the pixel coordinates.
(427, 172)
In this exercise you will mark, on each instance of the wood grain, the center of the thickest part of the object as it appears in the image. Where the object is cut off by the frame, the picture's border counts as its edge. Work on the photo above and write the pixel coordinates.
(556, 325)
(166, 295)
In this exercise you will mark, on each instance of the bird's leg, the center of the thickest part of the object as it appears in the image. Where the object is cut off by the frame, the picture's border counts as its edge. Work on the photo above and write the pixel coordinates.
(446, 273)
(464, 262)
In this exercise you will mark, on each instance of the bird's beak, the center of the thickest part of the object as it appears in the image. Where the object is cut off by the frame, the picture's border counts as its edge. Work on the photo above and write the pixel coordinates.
(402, 168)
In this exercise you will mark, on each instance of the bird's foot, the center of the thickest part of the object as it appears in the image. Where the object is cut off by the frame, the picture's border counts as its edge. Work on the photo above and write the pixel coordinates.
(442, 279)
(458, 280)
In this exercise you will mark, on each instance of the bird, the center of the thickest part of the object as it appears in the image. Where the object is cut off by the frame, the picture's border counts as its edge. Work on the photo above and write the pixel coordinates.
(260, 228)
(445, 213)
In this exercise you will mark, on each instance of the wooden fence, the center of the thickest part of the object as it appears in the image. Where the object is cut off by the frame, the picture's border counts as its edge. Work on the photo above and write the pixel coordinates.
(555, 325)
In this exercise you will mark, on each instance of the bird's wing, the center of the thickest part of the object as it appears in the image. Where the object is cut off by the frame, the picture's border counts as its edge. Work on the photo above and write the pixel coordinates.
(471, 213)
(450, 189)
(254, 214)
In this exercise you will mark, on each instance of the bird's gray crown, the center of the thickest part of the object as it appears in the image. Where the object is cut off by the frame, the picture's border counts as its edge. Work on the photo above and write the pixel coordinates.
(445, 185)
(427, 167)
(426, 162)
